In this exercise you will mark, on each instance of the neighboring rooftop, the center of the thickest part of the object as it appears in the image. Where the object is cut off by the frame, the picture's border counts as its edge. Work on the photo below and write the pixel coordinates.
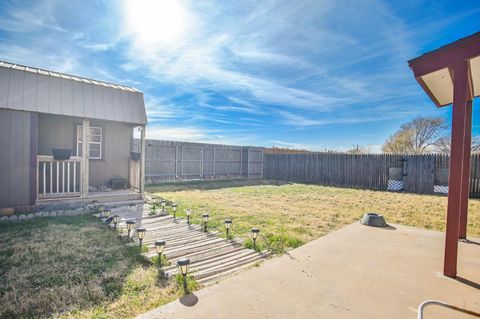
(33, 89)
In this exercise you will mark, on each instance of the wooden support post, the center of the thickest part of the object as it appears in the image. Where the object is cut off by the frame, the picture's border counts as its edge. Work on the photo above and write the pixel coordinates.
(142, 157)
(85, 173)
(460, 94)
(465, 192)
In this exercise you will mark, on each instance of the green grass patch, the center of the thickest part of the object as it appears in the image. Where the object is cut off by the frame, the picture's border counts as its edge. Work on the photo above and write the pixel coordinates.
(76, 267)
(290, 214)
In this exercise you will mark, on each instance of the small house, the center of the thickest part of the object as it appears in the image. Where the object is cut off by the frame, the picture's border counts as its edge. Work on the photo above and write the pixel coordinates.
(68, 138)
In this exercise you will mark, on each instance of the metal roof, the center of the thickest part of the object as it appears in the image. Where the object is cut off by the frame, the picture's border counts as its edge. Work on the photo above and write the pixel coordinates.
(37, 90)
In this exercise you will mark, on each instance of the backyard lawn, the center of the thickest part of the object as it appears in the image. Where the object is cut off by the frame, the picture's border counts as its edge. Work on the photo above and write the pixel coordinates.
(75, 267)
(289, 214)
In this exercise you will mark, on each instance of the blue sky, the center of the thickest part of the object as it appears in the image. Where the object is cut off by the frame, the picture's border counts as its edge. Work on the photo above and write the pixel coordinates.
(305, 74)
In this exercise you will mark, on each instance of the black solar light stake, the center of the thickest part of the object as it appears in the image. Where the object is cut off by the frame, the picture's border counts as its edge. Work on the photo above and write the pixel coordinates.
(130, 225)
(228, 224)
(183, 265)
(141, 234)
(205, 221)
(160, 247)
(255, 232)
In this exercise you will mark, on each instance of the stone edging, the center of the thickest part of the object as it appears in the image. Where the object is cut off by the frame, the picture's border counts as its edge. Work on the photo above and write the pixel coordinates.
(53, 213)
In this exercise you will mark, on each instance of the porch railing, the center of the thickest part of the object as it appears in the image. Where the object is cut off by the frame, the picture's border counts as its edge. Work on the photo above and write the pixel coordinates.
(58, 178)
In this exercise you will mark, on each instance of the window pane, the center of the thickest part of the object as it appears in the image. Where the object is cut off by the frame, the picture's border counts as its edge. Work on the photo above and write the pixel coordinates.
(95, 147)
(79, 133)
(95, 131)
(94, 154)
(95, 144)
(96, 138)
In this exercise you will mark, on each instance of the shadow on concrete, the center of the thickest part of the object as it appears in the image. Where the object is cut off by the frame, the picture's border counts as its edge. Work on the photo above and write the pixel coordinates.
(389, 227)
(189, 300)
(468, 282)
(468, 241)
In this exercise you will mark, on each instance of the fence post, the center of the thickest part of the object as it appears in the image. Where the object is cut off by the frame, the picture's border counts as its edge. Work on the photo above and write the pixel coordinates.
(176, 162)
(201, 152)
(248, 162)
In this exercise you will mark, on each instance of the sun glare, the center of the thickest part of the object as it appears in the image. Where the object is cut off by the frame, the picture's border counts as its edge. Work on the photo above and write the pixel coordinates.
(156, 22)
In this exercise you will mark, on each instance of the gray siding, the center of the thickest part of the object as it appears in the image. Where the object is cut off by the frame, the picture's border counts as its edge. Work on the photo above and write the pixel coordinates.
(15, 129)
(59, 132)
(34, 90)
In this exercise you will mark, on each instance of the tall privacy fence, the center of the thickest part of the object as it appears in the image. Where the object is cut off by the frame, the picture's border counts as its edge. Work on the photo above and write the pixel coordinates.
(424, 174)
(171, 161)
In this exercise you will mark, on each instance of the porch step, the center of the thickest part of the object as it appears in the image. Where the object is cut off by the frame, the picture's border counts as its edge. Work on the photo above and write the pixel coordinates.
(211, 258)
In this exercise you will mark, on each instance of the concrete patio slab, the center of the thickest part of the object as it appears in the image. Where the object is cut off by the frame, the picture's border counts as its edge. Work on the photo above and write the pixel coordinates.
(355, 272)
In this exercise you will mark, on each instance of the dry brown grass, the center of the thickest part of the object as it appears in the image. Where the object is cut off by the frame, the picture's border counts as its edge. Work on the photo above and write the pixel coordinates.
(75, 267)
(297, 213)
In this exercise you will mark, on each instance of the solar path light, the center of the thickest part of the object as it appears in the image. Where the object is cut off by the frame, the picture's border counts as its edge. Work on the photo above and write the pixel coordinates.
(183, 265)
(141, 231)
(115, 220)
(163, 203)
(188, 212)
(205, 221)
(107, 212)
(160, 247)
(132, 207)
(130, 225)
(255, 232)
(228, 224)
(174, 208)
(101, 210)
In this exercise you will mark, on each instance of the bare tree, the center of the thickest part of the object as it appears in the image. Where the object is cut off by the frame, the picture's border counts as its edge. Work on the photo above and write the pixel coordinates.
(443, 145)
(358, 149)
(417, 136)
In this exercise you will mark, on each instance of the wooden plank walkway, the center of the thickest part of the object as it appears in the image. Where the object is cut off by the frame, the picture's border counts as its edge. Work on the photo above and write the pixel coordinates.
(211, 258)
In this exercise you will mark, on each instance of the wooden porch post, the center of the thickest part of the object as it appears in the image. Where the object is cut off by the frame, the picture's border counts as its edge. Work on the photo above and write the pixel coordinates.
(85, 161)
(460, 96)
(467, 150)
(142, 165)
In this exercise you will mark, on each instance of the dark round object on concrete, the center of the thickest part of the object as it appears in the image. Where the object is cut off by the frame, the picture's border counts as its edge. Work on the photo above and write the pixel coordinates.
(374, 220)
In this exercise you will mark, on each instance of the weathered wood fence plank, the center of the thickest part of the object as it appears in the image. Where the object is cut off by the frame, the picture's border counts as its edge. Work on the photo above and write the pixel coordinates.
(368, 171)
(170, 161)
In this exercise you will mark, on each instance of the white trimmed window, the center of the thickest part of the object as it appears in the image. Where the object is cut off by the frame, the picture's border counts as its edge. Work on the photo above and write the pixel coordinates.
(95, 142)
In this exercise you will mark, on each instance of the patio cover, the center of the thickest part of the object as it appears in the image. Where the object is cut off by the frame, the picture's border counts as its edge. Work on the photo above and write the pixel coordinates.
(451, 75)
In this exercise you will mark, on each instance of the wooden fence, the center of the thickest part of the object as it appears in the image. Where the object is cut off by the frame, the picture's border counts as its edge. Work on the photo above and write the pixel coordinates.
(170, 161)
(418, 173)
